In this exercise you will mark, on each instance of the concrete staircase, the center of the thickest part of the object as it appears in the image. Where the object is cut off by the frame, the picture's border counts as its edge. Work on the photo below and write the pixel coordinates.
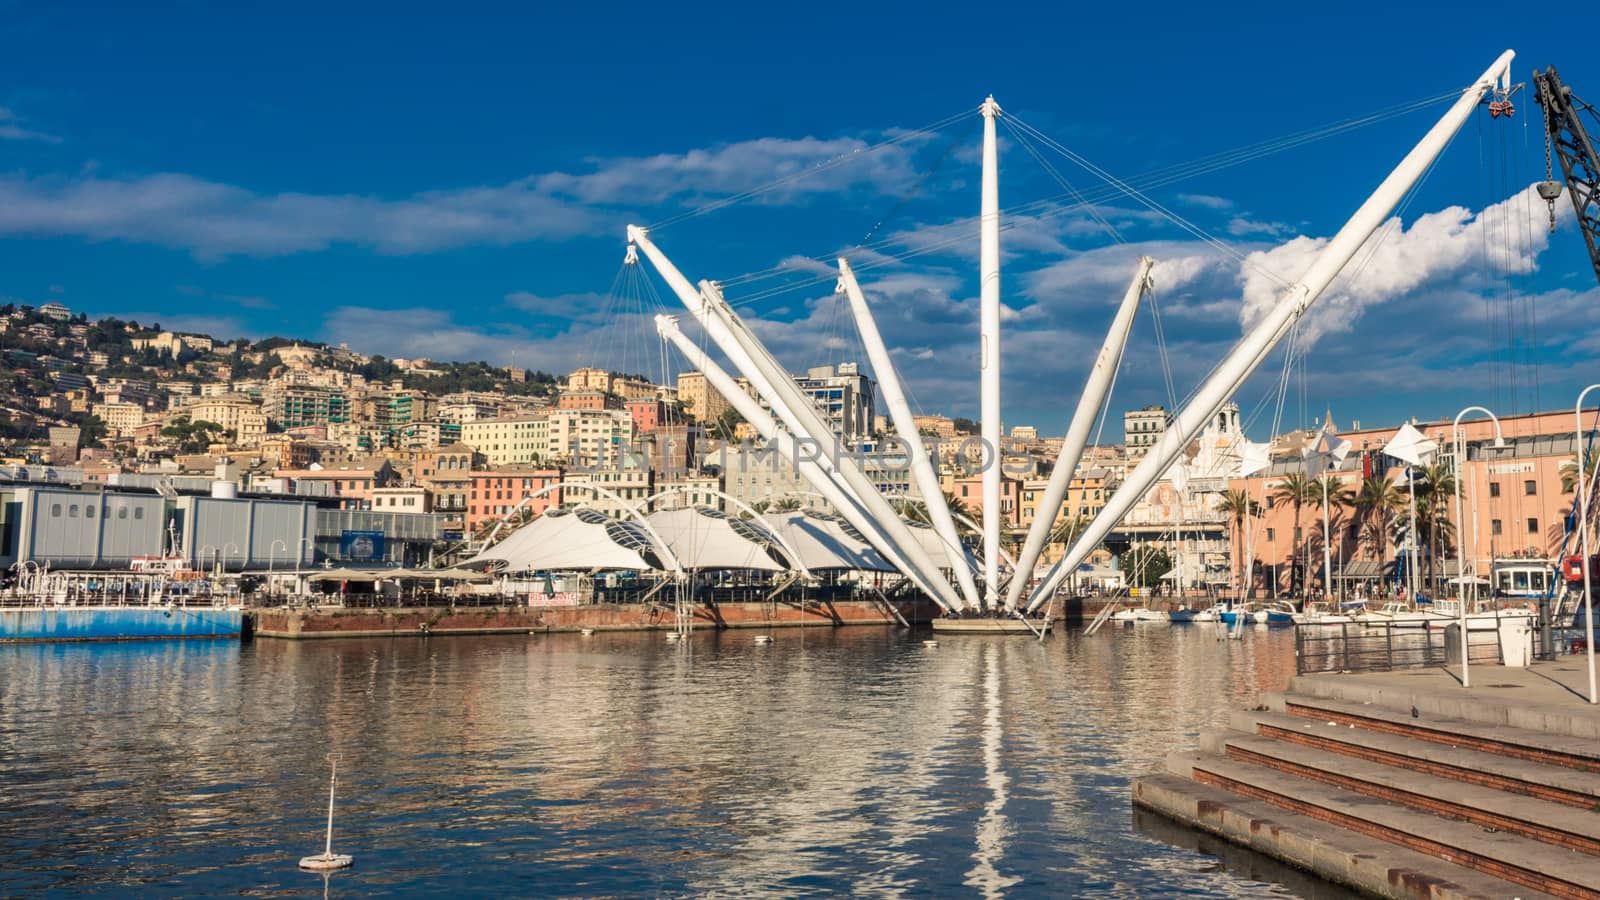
(1400, 790)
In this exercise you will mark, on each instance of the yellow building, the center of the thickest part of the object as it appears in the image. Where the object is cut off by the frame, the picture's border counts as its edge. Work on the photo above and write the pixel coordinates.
(234, 412)
(509, 440)
(120, 418)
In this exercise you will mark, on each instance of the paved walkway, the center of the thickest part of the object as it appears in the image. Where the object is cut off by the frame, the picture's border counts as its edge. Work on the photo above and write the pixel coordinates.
(1561, 682)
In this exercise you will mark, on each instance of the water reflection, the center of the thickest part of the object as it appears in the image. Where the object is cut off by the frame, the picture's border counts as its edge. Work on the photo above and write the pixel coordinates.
(824, 762)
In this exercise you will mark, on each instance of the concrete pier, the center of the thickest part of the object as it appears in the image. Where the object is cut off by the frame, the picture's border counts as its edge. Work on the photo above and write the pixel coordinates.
(333, 622)
(1405, 784)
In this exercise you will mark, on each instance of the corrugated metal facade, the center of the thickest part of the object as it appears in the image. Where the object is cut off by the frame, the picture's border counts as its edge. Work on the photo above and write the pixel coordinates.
(87, 530)
(239, 533)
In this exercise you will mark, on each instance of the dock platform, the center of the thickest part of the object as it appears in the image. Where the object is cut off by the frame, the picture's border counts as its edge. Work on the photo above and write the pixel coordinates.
(1406, 784)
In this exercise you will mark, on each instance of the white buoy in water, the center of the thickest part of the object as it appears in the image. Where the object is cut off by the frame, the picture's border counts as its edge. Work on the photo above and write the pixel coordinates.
(328, 860)
(930, 643)
(673, 635)
(763, 638)
(586, 631)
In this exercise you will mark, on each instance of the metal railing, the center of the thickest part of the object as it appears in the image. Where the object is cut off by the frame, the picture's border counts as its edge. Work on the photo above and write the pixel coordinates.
(1357, 647)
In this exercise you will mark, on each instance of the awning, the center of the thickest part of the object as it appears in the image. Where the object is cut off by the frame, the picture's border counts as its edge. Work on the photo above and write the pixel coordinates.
(827, 541)
(581, 539)
(704, 538)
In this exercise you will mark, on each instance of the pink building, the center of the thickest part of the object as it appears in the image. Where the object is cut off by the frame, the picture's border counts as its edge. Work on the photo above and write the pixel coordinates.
(1512, 503)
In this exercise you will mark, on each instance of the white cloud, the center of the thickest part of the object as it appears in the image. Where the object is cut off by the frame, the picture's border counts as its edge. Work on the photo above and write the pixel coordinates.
(12, 129)
(213, 219)
(1438, 249)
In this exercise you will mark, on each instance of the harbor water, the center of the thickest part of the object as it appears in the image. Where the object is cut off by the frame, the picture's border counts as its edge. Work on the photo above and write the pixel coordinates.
(827, 761)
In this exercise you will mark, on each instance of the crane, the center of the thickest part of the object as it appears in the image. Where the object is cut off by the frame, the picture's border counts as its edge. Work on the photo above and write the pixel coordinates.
(1569, 141)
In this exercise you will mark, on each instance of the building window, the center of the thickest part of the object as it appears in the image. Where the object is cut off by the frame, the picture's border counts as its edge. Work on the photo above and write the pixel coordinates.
(138, 512)
(72, 511)
(55, 510)
(1494, 488)
(1530, 487)
(1533, 524)
(88, 512)
(1494, 526)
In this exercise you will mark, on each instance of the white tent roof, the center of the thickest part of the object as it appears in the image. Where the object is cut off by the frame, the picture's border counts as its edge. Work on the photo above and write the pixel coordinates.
(934, 546)
(573, 539)
(826, 541)
(704, 538)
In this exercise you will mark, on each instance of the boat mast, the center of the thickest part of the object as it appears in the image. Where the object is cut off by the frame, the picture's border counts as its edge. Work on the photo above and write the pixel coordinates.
(989, 353)
(1083, 418)
(894, 397)
(1253, 349)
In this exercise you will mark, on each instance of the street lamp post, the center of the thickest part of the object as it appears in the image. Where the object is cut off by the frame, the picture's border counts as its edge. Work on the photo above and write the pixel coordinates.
(1583, 524)
(300, 548)
(1461, 570)
(272, 559)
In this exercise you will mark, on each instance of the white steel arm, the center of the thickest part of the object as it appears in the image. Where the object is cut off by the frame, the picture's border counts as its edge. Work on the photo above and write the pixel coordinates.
(1083, 418)
(989, 353)
(815, 469)
(799, 415)
(900, 414)
(1253, 349)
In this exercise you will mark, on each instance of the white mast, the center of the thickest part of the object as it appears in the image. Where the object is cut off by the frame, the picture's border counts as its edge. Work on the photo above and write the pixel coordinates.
(989, 360)
(1253, 349)
(905, 426)
(1089, 404)
(797, 412)
(816, 471)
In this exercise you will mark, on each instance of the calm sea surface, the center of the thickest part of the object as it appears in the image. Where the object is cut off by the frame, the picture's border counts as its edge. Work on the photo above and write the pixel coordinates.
(828, 762)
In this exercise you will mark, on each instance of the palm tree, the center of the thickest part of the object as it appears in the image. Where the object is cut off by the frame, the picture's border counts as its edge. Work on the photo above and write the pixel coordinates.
(1433, 511)
(788, 504)
(1236, 504)
(1296, 489)
(1569, 469)
(1374, 500)
(1067, 530)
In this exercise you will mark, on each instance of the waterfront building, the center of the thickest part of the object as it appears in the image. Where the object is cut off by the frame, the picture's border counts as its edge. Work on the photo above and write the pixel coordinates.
(1141, 429)
(942, 427)
(494, 493)
(843, 396)
(699, 399)
(352, 482)
(585, 437)
(628, 480)
(1512, 504)
(298, 405)
(234, 413)
(509, 440)
(120, 418)
(691, 490)
(647, 413)
(410, 498)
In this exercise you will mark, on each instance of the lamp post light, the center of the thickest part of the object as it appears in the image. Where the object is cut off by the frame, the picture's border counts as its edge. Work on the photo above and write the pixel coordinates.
(1461, 570)
(272, 559)
(1583, 524)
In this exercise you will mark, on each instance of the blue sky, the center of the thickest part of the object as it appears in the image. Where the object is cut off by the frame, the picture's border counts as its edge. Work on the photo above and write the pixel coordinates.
(455, 186)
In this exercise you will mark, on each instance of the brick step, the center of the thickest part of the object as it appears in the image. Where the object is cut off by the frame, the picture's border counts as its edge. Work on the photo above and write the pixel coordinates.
(1557, 784)
(1563, 750)
(1357, 860)
(1531, 703)
(1557, 871)
(1552, 823)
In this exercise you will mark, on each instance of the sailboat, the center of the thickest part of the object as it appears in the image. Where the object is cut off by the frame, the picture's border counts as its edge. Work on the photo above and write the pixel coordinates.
(328, 860)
